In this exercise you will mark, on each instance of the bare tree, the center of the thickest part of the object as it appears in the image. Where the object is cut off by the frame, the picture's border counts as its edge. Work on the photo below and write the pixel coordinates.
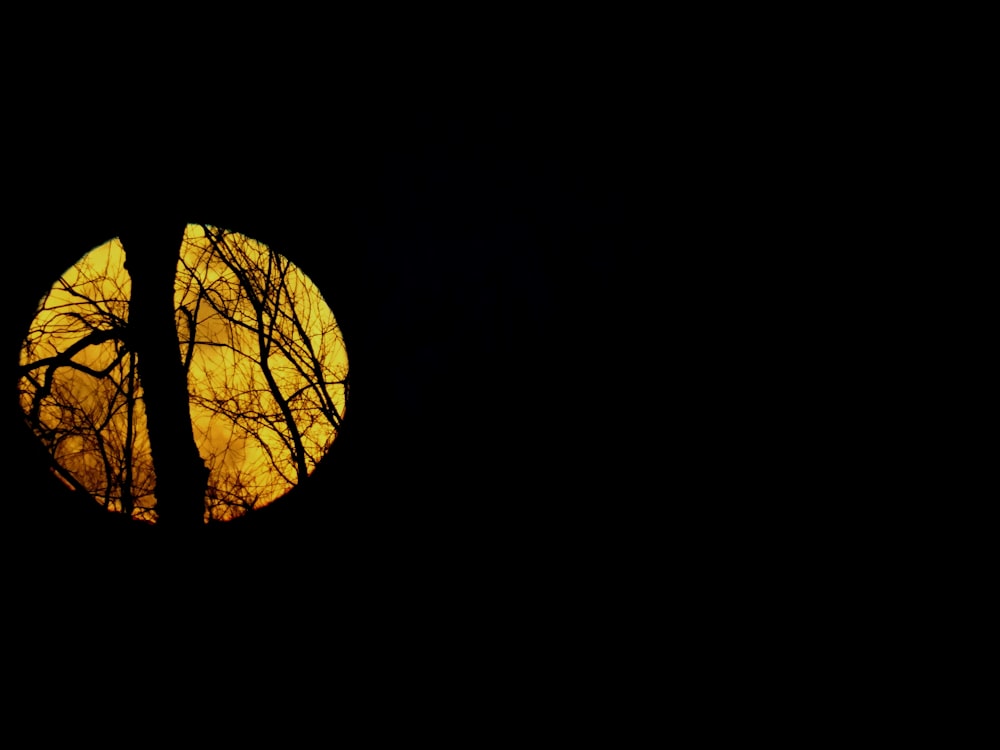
(258, 354)
(79, 388)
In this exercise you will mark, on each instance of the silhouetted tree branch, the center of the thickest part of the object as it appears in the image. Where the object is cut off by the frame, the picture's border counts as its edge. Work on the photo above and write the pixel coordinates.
(80, 391)
(270, 319)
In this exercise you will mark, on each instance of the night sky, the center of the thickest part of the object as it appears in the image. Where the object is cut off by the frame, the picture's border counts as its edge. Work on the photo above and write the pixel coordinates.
(475, 261)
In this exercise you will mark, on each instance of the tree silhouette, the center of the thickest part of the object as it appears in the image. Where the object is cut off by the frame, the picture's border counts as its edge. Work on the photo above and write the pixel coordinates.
(184, 384)
(151, 250)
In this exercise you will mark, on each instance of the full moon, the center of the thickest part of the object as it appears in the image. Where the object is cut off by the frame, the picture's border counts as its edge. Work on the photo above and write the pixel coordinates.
(266, 366)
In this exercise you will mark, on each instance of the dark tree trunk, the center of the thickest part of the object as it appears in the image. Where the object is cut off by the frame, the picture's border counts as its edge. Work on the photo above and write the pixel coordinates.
(152, 251)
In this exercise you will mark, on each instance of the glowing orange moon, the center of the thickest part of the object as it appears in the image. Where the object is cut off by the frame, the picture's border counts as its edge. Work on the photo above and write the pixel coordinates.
(266, 365)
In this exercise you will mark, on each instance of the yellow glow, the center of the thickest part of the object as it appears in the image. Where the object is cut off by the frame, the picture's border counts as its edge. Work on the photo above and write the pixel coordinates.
(267, 373)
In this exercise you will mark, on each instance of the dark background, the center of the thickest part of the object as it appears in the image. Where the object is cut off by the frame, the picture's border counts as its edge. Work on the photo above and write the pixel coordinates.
(476, 257)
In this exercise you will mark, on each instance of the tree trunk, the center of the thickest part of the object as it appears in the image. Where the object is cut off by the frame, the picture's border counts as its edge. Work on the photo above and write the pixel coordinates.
(152, 251)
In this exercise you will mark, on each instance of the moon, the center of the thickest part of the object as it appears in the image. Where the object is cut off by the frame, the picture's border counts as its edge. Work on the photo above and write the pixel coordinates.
(267, 373)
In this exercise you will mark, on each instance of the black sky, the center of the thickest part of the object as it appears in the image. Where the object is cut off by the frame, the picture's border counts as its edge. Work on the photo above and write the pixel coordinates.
(474, 259)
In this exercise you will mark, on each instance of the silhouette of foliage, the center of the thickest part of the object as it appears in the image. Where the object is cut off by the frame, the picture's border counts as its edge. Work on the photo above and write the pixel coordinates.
(265, 362)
